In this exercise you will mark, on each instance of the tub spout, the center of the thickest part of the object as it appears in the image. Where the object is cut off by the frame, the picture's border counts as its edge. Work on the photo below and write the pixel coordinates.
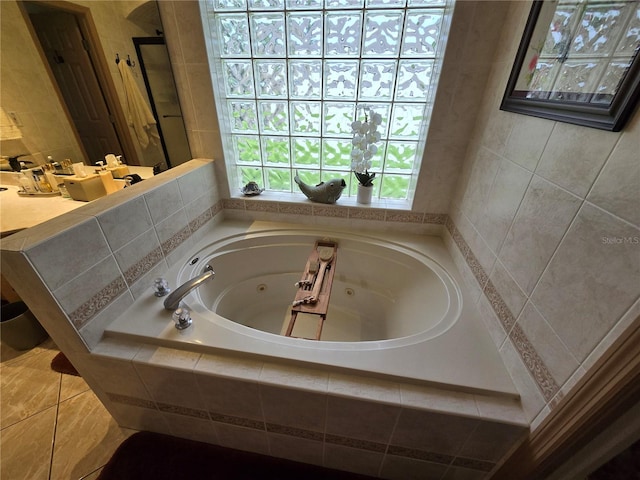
(173, 300)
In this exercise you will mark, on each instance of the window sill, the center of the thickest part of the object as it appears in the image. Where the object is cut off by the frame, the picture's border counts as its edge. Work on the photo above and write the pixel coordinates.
(298, 198)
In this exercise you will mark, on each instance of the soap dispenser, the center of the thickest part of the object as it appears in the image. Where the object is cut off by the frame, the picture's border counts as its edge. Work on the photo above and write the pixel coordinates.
(107, 179)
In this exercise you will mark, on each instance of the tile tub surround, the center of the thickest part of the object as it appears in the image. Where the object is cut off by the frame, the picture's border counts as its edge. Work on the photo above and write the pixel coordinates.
(365, 425)
(133, 236)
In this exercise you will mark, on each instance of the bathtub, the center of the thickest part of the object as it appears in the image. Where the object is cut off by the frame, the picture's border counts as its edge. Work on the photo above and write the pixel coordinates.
(397, 308)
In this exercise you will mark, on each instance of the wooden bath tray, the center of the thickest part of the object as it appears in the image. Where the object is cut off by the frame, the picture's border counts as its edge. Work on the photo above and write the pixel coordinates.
(321, 306)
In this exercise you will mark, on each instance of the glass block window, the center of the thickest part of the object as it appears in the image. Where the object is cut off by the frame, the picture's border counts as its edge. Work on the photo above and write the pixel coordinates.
(292, 75)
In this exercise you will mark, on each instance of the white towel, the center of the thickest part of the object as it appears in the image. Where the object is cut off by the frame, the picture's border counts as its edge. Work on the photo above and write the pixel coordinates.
(8, 129)
(139, 115)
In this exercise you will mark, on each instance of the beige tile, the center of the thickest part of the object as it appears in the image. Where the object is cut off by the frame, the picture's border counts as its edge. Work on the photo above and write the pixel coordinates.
(294, 408)
(502, 202)
(597, 267)
(435, 399)
(617, 187)
(25, 448)
(574, 155)
(293, 376)
(86, 437)
(71, 385)
(485, 167)
(363, 388)
(28, 386)
(230, 397)
(403, 468)
(93, 475)
(491, 441)
(194, 184)
(527, 141)
(352, 418)
(503, 409)
(85, 243)
(123, 223)
(169, 385)
(531, 397)
(353, 460)
(86, 295)
(234, 367)
(198, 429)
(543, 218)
(163, 201)
(241, 438)
(446, 433)
(513, 297)
(295, 448)
(547, 345)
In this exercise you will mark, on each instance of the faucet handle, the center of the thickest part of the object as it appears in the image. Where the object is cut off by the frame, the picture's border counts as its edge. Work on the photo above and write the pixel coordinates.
(161, 286)
(182, 318)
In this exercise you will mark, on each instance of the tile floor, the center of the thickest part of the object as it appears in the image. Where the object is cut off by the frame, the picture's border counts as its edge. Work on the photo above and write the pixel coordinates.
(52, 426)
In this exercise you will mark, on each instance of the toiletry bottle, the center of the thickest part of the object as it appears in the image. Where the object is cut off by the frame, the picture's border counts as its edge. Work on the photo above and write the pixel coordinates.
(49, 170)
(43, 184)
(27, 184)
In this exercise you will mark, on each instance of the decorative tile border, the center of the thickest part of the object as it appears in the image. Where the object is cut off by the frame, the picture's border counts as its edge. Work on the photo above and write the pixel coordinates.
(334, 211)
(201, 220)
(133, 401)
(355, 443)
(295, 432)
(143, 265)
(534, 363)
(176, 240)
(473, 464)
(89, 309)
(395, 450)
(539, 371)
(404, 217)
(239, 421)
(295, 209)
(497, 303)
(110, 292)
(186, 411)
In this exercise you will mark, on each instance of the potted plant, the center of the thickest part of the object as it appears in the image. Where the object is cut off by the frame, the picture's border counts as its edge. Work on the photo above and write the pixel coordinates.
(365, 135)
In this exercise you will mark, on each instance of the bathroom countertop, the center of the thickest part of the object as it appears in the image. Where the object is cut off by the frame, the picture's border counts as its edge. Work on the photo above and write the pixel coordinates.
(20, 212)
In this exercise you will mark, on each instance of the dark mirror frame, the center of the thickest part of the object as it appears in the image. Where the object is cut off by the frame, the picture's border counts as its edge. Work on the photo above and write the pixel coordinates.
(611, 117)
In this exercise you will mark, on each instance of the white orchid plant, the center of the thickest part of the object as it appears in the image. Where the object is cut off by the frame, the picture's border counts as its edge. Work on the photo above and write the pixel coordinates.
(365, 135)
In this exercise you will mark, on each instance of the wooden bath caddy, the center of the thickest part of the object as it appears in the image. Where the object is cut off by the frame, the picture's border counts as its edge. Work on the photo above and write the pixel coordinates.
(318, 277)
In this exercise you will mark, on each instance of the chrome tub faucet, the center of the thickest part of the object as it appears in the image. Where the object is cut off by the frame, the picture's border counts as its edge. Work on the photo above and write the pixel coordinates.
(173, 300)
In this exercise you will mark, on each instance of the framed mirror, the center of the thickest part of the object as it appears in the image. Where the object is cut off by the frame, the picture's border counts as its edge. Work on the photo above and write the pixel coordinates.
(578, 62)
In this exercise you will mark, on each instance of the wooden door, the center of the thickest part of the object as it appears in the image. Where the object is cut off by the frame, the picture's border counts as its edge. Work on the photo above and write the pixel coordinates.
(68, 55)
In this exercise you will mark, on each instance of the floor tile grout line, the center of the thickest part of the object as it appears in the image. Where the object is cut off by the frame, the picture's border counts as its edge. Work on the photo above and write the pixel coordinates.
(55, 427)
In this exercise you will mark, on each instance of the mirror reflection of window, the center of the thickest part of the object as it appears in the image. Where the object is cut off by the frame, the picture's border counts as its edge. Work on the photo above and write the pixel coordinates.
(580, 51)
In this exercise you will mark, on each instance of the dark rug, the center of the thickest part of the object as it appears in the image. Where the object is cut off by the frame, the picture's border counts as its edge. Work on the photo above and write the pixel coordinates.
(147, 455)
(61, 364)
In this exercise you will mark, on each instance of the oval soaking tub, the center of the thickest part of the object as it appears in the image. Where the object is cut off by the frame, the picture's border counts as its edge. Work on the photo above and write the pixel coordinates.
(396, 307)
(381, 290)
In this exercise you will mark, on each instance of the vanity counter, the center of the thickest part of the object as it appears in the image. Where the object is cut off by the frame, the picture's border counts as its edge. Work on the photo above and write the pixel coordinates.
(19, 212)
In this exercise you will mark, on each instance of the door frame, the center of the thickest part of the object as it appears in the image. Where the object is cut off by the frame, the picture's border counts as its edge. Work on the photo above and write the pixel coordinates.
(101, 69)
(137, 41)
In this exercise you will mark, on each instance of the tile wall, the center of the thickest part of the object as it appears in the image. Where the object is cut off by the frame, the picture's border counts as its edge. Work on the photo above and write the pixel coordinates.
(545, 226)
